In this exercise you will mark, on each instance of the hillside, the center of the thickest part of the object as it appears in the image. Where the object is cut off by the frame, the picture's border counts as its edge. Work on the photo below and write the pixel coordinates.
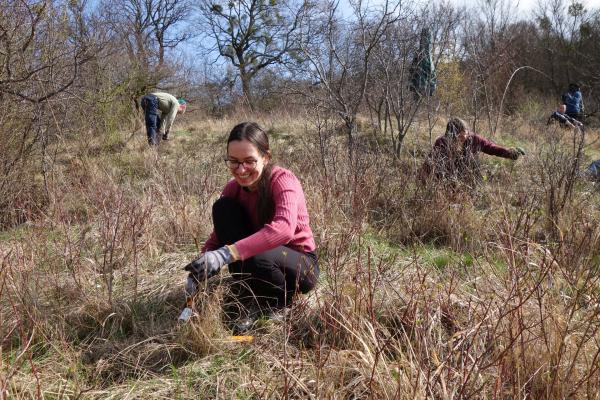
(484, 292)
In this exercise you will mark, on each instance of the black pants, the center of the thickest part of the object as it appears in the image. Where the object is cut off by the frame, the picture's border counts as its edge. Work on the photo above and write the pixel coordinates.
(577, 116)
(273, 277)
(153, 121)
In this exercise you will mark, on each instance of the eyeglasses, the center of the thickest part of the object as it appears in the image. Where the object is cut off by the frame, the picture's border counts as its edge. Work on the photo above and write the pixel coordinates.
(234, 164)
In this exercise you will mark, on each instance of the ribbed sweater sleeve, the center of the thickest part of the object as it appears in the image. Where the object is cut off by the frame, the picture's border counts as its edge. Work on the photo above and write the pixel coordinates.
(489, 147)
(287, 193)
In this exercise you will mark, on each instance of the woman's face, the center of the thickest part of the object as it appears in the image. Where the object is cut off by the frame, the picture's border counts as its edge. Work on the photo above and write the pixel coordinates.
(245, 162)
(461, 138)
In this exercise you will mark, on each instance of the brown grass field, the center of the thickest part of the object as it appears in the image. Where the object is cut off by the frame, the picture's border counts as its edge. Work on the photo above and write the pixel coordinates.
(490, 292)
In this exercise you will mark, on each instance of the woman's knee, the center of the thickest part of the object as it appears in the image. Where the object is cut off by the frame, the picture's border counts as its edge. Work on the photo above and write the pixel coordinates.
(309, 276)
(230, 221)
(225, 206)
(302, 273)
(265, 265)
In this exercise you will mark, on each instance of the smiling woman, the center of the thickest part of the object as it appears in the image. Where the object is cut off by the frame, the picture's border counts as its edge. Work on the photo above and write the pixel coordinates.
(261, 230)
(245, 154)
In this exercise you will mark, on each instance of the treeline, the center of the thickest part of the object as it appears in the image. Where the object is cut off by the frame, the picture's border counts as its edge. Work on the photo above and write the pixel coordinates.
(76, 68)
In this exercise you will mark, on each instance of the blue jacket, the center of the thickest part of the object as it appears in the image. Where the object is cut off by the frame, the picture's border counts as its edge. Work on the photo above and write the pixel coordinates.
(574, 102)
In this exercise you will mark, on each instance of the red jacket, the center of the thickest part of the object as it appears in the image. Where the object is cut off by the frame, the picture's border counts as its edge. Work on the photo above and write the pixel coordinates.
(444, 161)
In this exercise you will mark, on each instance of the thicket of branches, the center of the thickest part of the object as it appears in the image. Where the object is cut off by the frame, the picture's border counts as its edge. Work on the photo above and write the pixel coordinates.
(424, 293)
(78, 68)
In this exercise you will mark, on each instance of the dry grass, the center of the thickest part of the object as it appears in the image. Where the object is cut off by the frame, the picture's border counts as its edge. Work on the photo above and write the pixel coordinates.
(424, 293)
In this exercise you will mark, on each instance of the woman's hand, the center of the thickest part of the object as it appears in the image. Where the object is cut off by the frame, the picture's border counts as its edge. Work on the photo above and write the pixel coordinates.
(210, 263)
(516, 152)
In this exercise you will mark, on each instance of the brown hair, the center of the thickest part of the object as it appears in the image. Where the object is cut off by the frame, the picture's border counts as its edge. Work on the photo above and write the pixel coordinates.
(253, 133)
(455, 126)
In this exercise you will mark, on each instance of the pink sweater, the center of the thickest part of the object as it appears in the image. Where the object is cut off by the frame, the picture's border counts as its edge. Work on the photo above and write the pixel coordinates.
(290, 224)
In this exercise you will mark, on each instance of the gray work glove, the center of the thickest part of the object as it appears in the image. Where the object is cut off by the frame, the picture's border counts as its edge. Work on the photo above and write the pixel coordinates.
(209, 263)
(516, 152)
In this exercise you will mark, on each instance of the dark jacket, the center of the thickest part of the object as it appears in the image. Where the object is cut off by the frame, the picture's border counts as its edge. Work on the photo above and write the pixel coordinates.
(574, 102)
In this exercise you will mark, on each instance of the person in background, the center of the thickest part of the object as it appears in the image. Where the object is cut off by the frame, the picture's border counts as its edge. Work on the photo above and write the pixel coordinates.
(261, 231)
(454, 156)
(573, 100)
(593, 171)
(563, 119)
(168, 105)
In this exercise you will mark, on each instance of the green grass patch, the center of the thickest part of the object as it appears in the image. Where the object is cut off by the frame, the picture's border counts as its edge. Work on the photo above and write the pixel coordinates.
(18, 233)
(380, 246)
(441, 257)
(438, 257)
(132, 166)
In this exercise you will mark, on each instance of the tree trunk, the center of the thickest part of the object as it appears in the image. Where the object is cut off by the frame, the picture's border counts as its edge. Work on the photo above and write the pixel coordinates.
(246, 77)
(161, 50)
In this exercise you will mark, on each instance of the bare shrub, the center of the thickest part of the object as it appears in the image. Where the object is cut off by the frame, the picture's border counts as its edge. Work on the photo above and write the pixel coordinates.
(424, 292)
(557, 168)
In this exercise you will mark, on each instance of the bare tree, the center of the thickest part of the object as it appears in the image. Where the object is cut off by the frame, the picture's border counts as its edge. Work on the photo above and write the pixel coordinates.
(490, 53)
(165, 16)
(252, 34)
(43, 50)
(38, 57)
(566, 43)
(148, 28)
(389, 97)
(338, 57)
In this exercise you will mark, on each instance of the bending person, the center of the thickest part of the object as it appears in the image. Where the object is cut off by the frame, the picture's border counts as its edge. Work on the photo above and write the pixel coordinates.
(168, 105)
(454, 155)
(261, 229)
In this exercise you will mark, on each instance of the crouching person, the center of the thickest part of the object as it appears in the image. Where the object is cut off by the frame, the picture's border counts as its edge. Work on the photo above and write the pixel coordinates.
(454, 156)
(560, 116)
(261, 230)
